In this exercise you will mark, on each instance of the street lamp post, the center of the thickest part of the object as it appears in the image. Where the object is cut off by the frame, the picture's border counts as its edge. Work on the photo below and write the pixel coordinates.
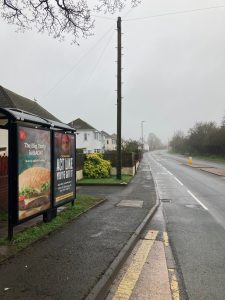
(142, 136)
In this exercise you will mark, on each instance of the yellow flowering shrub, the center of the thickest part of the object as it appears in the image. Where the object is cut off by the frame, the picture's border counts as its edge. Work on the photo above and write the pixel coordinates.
(96, 167)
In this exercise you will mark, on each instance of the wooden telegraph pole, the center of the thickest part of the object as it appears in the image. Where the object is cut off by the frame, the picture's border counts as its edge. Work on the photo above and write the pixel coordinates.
(119, 106)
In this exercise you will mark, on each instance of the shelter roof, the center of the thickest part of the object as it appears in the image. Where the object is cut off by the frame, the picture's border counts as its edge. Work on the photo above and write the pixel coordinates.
(24, 116)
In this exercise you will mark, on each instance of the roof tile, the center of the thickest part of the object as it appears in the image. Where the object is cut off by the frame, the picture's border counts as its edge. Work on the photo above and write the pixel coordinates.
(9, 99)
(80, 124)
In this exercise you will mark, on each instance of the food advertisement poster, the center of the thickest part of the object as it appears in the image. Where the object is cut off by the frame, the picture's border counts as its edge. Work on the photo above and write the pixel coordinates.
(34, 171)
(64, 167)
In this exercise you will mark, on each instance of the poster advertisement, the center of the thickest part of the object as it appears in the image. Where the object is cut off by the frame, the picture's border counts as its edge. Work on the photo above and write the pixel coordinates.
(64, 167)
(34, 171)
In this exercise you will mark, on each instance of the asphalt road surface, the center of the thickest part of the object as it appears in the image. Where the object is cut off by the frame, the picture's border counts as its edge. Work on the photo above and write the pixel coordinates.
(193, 204)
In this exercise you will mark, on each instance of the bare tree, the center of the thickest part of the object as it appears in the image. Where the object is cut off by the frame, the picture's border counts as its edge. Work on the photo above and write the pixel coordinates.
(223, 122)
(179, 142)
(154, 142)
(58, 17)
(113, 5)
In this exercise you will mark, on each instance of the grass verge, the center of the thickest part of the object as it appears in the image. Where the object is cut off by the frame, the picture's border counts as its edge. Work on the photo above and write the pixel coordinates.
(23, 239)
(3, 216)
(112, 180)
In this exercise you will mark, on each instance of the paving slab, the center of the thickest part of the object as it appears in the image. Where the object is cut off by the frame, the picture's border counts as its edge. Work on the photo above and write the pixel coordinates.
(216, 171)
(145, 275)
(209, 169)
(153, 282)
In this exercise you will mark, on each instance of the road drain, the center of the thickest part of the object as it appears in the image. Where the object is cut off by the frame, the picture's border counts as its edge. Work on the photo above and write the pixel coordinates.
(195, 206)
(165, 200)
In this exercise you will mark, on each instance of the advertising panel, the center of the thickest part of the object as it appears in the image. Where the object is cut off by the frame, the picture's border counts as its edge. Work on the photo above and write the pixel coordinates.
(64, 167)
(34, 165)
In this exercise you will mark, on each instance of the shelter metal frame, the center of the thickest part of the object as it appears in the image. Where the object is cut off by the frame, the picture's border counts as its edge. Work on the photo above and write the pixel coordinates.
(13, 119)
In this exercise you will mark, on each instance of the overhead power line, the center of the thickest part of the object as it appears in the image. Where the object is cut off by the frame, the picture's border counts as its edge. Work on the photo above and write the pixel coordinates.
(175, 13)
(78, 62)
(89, 77)
(111, 18)
(103, 17)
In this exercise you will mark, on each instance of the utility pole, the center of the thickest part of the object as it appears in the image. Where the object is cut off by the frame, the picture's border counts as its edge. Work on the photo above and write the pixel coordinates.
(119, 105)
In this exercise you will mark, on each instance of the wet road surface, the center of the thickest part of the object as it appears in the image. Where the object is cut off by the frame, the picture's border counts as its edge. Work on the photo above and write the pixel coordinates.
(194, 209)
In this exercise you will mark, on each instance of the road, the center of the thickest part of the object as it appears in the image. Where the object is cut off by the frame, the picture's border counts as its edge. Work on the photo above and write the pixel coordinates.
(181, 253)
(194, 212)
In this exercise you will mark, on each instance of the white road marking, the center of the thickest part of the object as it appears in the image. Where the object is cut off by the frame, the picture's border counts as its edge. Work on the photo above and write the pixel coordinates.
(97, 234)
(189, 192)
(178, 181)
(171, 174)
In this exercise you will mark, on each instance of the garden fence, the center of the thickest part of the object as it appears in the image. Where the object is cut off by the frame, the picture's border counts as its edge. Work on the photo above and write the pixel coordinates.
(3, 165)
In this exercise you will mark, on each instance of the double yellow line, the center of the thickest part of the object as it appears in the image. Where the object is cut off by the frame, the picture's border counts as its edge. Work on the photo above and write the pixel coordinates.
(172, 274)
(130, 278)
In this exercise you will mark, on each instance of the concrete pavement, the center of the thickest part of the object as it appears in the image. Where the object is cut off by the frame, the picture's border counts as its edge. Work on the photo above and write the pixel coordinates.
(150, 271)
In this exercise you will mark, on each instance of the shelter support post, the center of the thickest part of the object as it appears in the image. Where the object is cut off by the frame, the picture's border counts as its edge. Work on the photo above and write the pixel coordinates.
(12, 176)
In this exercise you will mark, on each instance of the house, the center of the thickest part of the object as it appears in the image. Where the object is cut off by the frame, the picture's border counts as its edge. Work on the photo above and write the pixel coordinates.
(3, 142)
(109, 141)
(9, 99)
(89, 139)
(144, 146)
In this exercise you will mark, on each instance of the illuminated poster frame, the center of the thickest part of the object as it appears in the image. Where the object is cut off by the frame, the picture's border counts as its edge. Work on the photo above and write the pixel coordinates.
(33, 172)
(64, 171)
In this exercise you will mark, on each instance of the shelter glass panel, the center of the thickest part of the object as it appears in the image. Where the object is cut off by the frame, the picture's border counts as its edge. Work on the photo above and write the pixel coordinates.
(34, 168)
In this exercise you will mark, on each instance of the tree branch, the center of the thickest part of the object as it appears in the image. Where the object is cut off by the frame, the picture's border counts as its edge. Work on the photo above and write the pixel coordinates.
(56, 17)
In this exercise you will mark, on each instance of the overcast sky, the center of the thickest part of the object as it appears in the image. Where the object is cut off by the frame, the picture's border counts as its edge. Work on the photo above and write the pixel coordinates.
(174, 68)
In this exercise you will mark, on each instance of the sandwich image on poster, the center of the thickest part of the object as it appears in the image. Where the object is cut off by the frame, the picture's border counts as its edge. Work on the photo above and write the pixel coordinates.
(64, 167)
(34, 172)
(34, 191)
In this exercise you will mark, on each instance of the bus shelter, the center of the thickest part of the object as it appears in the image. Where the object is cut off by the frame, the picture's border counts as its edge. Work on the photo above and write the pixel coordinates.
(41, 166)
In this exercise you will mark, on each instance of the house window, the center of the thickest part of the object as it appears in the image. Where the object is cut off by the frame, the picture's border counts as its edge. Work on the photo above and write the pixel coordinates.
(85, 136)
(107, 142)
(96, 135)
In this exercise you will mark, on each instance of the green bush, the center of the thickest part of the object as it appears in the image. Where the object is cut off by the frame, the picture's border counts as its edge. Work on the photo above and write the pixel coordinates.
(96, 167)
